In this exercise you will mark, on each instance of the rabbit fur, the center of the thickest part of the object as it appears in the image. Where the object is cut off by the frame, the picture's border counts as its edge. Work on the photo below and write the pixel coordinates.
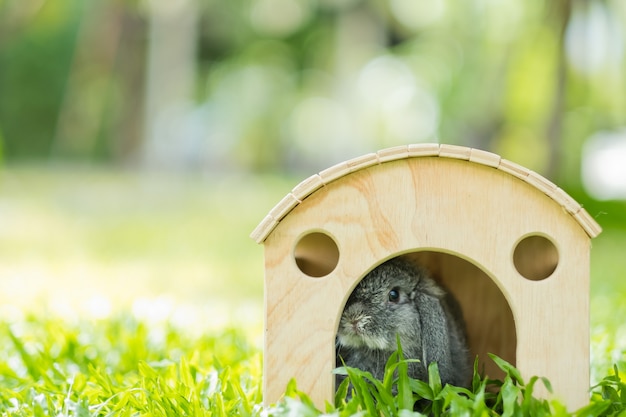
(399, 298)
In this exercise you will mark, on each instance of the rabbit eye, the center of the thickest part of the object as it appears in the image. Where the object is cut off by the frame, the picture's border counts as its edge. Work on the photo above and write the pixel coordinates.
(394, 295)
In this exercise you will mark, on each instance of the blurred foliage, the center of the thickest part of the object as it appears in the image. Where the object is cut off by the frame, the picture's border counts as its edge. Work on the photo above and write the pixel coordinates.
(301, 84)
(37, 42)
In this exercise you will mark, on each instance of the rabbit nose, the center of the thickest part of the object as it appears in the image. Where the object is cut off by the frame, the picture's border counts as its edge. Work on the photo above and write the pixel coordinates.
(350, 323)
(356, 326)
(358, 323)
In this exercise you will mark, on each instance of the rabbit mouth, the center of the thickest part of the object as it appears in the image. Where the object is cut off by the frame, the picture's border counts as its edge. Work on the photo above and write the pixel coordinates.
(353, 333)
(357, 330)
(359, 341)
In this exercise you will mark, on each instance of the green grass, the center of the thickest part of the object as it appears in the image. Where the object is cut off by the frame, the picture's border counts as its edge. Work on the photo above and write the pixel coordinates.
(123, 367)
(126, 293)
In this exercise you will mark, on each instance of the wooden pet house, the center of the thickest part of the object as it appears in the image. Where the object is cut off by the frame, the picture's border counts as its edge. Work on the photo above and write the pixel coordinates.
(509, 244)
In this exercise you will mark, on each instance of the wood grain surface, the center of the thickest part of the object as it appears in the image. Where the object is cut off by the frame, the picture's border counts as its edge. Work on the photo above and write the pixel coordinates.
(461, 219)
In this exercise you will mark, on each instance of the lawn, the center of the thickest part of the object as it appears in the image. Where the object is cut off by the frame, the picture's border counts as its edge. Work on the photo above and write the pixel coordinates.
(97, 241)
(125, 293)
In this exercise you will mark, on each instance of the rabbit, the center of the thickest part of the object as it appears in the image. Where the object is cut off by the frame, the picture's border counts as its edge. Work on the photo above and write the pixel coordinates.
(399, 298)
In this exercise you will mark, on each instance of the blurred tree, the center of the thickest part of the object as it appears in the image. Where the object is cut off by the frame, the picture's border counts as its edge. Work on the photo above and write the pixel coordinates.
(71, 78)
(301, 84)
(170, 135)
(562, 11)
(35, 53)
(102, 108)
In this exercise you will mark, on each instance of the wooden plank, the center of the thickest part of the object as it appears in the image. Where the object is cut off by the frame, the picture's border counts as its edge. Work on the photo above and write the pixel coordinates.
(392, 154)
(260, 233)
(514, 169)
(362, 162)
(423, 149)
(569, 204)
(284, 206)
(542, 184)
(484, 158)
(307, 187)
(587, 222)
(336, 171)
(454, 151)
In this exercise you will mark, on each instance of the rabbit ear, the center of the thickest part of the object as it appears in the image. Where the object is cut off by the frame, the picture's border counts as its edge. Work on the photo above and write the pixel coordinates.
(435, 332)
(430, 287)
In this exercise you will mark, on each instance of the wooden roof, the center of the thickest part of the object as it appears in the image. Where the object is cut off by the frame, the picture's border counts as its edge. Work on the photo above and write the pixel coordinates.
(317, 181)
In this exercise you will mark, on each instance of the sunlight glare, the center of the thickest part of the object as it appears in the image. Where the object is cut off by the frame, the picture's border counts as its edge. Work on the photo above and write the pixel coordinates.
(604, 165)
(594, 39)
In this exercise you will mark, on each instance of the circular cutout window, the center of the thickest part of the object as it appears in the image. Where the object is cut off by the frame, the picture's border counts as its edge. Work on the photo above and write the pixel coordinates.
(535, 257)
(316, 254)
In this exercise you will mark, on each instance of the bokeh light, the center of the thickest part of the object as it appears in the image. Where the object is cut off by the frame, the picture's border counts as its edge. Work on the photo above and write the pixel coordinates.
(604, 165)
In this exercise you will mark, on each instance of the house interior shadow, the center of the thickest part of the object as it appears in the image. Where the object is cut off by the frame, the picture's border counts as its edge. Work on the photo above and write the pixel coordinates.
(488, 316)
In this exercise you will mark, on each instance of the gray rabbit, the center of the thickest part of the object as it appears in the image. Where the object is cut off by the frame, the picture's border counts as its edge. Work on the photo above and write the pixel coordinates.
(399, 298)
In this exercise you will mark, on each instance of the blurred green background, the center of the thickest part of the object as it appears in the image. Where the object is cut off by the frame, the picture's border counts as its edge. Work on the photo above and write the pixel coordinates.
(142, 141)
